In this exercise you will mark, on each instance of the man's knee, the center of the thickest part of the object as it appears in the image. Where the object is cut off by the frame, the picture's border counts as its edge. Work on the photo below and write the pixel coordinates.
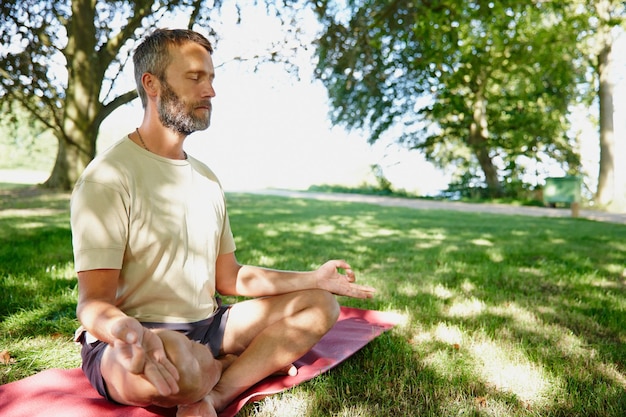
(198, 370)
(326, 307)
(198, 373)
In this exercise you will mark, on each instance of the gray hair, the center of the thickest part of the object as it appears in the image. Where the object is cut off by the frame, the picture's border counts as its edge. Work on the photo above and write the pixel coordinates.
(152, 55)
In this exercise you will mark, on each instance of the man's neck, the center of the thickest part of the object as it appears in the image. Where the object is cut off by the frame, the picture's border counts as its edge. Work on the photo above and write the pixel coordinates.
(160, 141)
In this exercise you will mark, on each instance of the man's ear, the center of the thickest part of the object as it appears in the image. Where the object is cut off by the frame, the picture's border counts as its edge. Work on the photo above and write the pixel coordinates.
(150, 84)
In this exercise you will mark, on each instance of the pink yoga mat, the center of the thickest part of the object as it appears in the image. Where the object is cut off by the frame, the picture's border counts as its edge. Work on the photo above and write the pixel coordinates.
(67, 393)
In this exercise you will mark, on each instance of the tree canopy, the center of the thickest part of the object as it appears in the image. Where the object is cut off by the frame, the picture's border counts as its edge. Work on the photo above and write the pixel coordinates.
(61, 61)
(470, 83)
(480, 86)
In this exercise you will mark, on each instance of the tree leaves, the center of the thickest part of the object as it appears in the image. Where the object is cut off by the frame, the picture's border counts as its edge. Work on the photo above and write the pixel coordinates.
(430, 65)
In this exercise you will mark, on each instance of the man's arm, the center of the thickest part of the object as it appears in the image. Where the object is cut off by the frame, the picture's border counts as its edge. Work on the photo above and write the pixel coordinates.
(140, 350)
(96, 302)
(233, 278)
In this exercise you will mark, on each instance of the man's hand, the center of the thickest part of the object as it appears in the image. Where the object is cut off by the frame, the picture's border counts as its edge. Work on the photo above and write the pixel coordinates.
(329, 279)
(141, 351)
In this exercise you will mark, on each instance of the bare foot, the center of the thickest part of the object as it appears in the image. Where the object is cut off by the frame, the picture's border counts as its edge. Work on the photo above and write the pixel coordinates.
(289, 370)
(203, 408)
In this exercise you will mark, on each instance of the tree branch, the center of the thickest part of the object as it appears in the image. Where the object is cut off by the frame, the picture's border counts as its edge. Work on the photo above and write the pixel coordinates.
(195, 12)
(112, 47)
(117, 102)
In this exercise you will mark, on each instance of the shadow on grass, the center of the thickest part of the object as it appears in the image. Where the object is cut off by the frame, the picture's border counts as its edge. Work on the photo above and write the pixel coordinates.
(509, 315)
(37, 281)
(506, 315)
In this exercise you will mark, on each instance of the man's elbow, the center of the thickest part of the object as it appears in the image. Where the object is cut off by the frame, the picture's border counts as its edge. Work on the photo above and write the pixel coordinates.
(226, 289)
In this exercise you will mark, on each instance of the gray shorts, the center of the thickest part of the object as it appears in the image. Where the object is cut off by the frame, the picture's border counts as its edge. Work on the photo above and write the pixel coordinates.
(209, 332)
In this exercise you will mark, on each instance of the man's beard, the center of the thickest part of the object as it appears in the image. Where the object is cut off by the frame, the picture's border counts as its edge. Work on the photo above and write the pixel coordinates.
(177, 115)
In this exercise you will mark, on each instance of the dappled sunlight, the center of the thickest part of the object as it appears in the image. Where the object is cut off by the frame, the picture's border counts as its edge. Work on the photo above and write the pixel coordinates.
(442, 292)
(519, 233)
(531, 271)
(426, 244)
(322, 229)
(290, 404)
(53, 318)
(365, 224)
(268, 231)
(378, 232)
(450, 248)
(466, 308)
(276, 230)
(508, 370)
(434, 234)
(267, 261)
(502, 363)
(30, 225)
(557, 241)
(468, 286)
(410, 289)
(22, 213)
(481, 242)
(616, 269)
(261, 258)
(605, 283)
(426, 239)
(360, 248)
(445, 333)
(500, 318)
(358, 410)
(617, 273)
(611, 373)
(61, 271)
(439, 360)
(523, 318)
(507, 320)
(495, 255)
(32, 219)
(503, 367)
(448, 334)
(560, 338)
(401, 318)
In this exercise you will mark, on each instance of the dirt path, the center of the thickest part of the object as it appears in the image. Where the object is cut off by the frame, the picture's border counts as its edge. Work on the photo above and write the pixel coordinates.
(448, 205)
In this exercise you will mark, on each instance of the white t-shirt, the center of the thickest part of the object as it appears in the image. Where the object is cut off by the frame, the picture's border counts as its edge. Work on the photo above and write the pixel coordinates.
(163, 222)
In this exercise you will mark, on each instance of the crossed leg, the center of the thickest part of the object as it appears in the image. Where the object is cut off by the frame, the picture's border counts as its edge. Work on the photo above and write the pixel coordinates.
(266, 335)
(198, 370)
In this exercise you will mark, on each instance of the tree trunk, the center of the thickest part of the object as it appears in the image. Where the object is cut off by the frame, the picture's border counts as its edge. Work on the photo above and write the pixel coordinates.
(478, 137)
(605, 193)
(59, 177)
(80, 117)
(72, 158)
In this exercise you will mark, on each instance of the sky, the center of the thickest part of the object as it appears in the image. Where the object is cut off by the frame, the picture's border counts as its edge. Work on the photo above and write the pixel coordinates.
(270, 130)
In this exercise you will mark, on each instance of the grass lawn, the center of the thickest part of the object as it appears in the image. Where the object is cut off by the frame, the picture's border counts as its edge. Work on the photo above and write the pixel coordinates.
(505, 315)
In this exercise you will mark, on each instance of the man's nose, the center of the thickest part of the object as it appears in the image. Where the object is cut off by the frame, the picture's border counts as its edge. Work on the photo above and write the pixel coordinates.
(208, 90)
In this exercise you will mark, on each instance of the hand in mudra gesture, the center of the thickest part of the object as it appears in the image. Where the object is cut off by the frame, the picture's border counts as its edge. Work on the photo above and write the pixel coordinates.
(141, 352)
(329, 278)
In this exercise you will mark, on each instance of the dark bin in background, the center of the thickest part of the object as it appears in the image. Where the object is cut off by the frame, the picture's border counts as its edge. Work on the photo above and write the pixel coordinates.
(562, 190)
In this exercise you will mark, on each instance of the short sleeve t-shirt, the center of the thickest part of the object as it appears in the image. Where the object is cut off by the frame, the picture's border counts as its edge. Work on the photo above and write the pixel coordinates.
(162, 222)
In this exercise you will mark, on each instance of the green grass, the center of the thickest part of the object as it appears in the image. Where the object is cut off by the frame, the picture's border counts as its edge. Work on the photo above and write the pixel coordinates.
(504, 315)
(37, 282)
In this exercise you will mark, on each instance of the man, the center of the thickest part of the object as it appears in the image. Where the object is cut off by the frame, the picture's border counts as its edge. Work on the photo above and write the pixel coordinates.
(153, 245)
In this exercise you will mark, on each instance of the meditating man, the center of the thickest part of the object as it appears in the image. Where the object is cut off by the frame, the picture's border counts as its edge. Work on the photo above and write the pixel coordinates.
(153, 247)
